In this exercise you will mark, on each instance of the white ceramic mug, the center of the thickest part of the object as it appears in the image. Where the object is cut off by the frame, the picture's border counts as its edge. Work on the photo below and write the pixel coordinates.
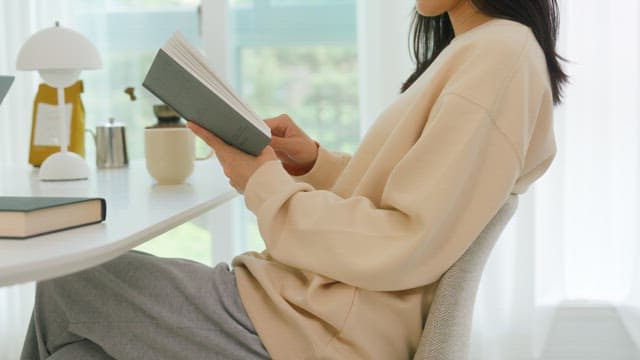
(170, 153)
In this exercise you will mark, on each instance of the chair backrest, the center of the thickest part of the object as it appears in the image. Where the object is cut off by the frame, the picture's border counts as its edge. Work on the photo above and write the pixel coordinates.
(447, 331)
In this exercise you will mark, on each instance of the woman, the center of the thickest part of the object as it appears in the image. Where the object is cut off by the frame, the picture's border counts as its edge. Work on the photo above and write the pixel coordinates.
(354, 245)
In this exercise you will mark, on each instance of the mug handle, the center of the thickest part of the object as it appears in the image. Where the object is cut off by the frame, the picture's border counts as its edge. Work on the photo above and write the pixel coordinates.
(208, 156)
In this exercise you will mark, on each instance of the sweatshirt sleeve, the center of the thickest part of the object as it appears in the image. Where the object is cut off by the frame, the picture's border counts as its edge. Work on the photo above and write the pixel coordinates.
(436, 201)
(326, 170)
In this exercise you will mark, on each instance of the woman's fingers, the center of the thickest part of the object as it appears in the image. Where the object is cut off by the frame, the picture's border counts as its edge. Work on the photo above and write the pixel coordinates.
(282, 144)
(279, 124)
(282, 155)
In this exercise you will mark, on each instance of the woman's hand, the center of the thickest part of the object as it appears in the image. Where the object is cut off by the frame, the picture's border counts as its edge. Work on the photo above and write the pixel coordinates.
(297, 151)
(238, 166)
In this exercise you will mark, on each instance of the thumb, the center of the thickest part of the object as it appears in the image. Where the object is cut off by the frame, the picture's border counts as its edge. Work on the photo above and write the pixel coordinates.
(276, 122)
(282, 144)
(279, 124)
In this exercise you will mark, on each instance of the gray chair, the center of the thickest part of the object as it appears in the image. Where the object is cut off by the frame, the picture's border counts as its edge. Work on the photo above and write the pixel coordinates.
(447, 331)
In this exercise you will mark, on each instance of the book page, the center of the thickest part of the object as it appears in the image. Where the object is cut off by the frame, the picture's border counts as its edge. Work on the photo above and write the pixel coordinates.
(182, 44)
(190, 58)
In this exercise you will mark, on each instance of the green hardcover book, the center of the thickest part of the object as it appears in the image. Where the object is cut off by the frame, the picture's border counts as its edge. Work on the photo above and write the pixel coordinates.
(181, 77)
(5, 84)
(23, 217)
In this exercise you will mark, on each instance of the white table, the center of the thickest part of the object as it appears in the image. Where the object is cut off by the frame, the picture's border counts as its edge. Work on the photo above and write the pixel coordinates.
(137, 210)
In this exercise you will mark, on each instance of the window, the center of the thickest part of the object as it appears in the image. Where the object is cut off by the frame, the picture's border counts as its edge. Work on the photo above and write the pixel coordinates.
(128, 34)
(291, 56)
(297, 57)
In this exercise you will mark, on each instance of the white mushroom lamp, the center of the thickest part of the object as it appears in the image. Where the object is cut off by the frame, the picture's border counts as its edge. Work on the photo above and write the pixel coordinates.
(60, 54)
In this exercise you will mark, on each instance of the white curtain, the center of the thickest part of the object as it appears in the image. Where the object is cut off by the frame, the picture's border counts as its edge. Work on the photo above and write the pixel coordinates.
(602, 136)
(601, 131)
(575, 235)
(18, 20)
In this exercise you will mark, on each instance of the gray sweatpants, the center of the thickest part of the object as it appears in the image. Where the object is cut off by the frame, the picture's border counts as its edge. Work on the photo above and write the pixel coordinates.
(140, 306)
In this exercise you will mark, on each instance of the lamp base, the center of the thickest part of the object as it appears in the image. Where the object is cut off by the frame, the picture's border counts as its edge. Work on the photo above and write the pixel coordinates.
(64, 165)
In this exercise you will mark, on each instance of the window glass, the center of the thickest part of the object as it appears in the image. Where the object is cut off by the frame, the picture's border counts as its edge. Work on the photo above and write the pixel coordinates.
(316, 85)
(298, 57)
(128, 33)
(291, 56)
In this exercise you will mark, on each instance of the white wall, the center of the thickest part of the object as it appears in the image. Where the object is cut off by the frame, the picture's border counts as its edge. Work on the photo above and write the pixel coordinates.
(216, 41)
(383, 53)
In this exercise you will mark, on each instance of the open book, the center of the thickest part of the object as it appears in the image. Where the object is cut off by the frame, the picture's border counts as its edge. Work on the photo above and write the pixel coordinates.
(180, 76)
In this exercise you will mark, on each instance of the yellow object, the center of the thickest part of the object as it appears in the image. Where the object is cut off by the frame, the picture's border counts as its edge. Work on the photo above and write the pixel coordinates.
(44, 126)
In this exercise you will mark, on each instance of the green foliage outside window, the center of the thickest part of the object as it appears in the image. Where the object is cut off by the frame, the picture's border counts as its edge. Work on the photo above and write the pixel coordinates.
(316, 86)
(188, 241)
(308, 71)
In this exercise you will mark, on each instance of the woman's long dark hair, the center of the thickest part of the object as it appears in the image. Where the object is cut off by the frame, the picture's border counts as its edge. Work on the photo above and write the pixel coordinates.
(431, 34)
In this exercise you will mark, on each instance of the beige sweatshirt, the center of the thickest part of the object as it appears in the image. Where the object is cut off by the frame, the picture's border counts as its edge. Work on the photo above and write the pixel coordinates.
(355, 248)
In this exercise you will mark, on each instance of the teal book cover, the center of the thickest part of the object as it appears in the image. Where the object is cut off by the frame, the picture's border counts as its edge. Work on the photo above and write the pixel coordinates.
(23, 217)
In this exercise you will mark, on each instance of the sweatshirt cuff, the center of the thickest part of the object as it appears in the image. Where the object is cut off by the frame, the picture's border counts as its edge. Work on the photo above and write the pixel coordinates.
(326, 169)
(270, 180)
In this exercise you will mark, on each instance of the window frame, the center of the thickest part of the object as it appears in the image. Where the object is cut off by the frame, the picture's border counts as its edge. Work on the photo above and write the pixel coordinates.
(279, 23)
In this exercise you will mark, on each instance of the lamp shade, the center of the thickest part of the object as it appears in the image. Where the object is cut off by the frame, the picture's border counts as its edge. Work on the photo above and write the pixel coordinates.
(58, 48)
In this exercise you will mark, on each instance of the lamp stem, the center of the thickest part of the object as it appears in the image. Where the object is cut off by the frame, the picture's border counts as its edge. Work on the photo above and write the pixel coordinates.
(64, 131)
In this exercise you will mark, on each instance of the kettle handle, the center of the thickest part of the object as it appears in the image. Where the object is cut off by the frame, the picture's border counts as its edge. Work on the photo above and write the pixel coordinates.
(93, 135)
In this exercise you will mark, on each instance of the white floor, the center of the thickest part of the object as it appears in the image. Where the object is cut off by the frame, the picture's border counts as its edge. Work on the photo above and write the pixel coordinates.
(589, 333)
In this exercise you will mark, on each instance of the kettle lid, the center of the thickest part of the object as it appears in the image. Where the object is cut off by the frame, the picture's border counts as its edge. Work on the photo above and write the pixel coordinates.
(112, 123)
